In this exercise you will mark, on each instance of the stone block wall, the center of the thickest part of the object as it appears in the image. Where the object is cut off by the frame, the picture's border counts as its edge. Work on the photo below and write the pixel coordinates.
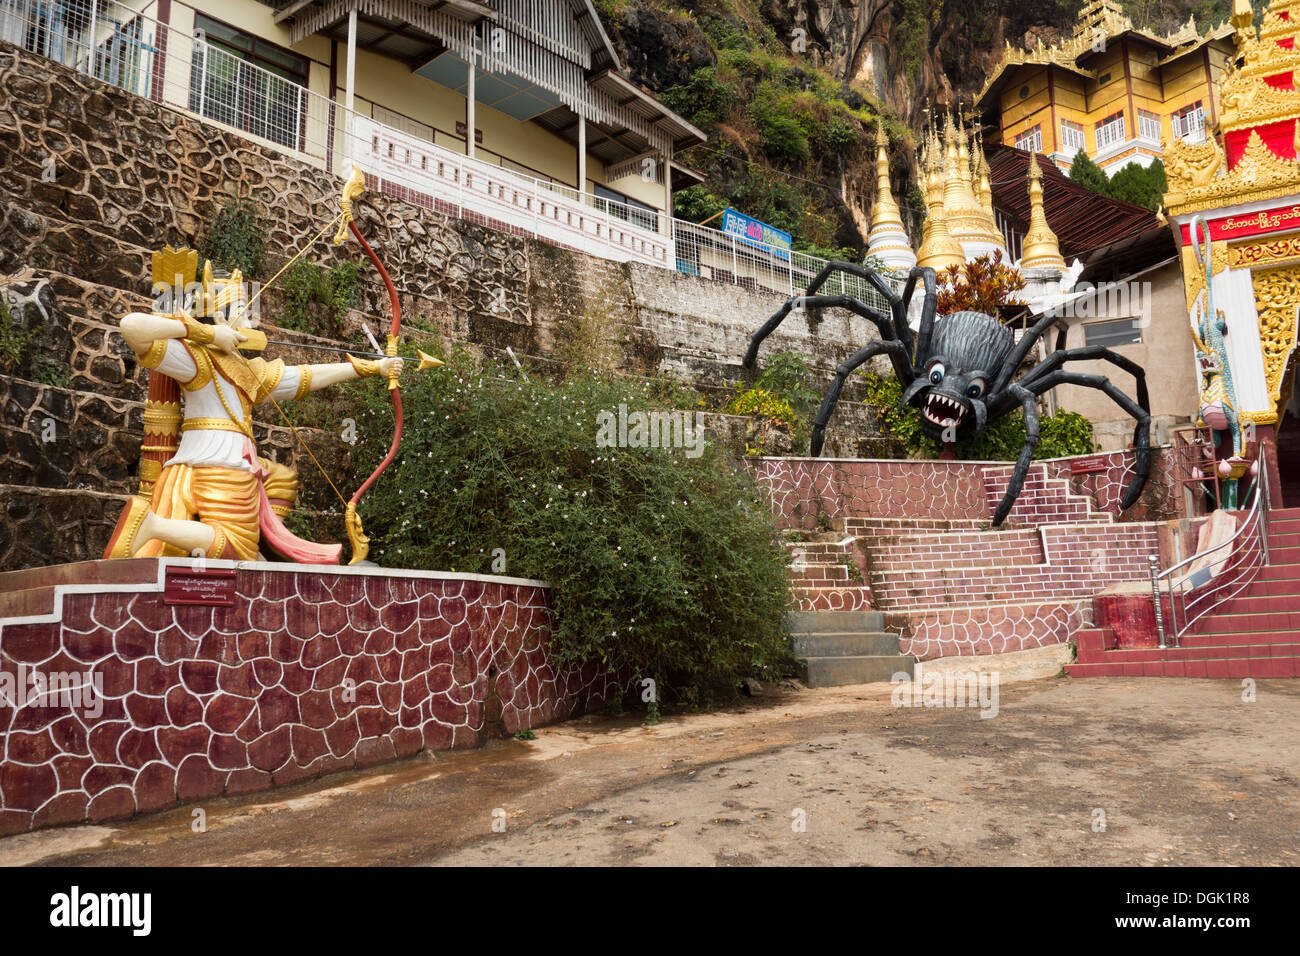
(131, 176)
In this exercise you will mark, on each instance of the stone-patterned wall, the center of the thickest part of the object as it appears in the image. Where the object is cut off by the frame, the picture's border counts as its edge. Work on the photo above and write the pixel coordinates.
(310, 672)
(802, 490)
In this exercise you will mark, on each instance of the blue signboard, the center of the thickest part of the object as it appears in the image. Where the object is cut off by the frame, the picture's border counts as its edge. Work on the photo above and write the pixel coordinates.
(756, 233)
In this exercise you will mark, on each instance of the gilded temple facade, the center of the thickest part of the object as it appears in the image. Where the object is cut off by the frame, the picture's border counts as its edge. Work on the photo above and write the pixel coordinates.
(1243, 189)
(1112, 90)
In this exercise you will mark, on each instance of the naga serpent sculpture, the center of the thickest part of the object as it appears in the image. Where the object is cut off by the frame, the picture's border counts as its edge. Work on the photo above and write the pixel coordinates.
(958, 369)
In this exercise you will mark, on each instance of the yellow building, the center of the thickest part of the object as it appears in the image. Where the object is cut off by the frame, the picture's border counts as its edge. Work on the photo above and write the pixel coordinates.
(379, 82)
(1111, 90)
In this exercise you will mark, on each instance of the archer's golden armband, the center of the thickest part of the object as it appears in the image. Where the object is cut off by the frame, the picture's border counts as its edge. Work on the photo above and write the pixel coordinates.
(199, 332)
(364, 367)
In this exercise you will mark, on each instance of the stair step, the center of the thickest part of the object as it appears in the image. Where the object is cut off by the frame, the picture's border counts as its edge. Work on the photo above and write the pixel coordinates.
(1282, 603)
(834, 622)
(847, 644)
(1262, 668)
(839, 671)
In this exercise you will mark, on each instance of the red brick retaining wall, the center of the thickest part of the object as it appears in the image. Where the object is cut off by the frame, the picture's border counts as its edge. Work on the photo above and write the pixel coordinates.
(311, 671)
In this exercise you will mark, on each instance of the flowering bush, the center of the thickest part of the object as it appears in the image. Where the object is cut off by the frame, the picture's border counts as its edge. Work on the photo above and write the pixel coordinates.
(663, 565)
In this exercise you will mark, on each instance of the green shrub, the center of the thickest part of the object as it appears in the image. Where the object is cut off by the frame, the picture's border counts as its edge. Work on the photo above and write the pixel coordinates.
(782, 395)
(662, 565)
(14, 339)
(236, 238)
(1059, 435)
(702, 99)
(304, 284)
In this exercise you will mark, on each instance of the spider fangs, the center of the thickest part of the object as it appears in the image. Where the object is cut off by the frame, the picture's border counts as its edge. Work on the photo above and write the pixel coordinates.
(944, 411)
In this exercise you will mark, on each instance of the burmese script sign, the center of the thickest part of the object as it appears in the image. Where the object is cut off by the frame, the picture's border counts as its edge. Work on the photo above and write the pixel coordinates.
(1248, 224)
(211, 587)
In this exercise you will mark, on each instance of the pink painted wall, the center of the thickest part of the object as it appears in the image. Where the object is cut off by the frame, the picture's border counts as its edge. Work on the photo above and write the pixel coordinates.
(202, 701)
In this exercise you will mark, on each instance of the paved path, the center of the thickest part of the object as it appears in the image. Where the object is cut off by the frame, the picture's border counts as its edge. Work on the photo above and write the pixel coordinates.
(1184, 772)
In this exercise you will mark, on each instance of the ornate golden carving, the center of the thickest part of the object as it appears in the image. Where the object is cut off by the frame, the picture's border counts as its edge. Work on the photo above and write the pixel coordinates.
(1277, 296)
(1259, 174)
(1255, 254)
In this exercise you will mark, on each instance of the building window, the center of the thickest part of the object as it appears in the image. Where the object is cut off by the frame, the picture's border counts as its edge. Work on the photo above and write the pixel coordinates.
(1103, 79)
(1024, 92)
(1071, 137)
(247, 83)
(1118, 332)
(1149, 126)
(1110, 131)
(625, 207)
(1189, 123)
(1031, 139)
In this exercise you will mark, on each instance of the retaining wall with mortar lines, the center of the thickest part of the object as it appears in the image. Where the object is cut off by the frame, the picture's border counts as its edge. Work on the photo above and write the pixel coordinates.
(801, 490)
(204, 701)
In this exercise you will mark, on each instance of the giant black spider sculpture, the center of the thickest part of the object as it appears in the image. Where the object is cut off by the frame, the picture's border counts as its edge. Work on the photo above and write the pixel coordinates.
(959, 367)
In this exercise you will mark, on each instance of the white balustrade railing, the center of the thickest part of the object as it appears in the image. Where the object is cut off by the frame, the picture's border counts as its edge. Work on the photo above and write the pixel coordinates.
(119, 45)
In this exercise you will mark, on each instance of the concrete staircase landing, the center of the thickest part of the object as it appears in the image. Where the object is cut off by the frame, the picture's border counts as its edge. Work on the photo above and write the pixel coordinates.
(846, 647)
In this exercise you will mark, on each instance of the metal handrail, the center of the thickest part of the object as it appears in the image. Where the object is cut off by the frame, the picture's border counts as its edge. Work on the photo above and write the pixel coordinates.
(1239, 560)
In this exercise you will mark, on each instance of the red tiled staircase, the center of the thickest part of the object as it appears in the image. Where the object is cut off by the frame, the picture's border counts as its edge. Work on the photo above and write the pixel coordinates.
(1255, 634)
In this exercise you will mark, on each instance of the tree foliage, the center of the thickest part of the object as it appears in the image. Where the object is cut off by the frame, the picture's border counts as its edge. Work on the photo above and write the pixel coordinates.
(1134, 183)
(983, 285)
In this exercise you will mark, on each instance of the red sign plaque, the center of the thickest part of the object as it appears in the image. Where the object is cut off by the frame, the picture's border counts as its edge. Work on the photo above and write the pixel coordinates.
(210, 587)
(1087, 465)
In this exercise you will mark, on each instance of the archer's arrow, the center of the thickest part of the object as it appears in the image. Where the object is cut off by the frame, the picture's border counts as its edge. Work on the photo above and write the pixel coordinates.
(427, 361)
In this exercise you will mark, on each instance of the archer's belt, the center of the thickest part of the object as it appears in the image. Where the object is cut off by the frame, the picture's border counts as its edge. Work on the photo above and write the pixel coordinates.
(214, 424)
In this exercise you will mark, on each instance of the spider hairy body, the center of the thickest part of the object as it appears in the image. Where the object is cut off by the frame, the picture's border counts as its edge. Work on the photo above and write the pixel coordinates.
(958, 370)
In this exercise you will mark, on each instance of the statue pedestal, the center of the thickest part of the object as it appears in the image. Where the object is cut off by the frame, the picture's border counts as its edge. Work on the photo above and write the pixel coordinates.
(132, 684)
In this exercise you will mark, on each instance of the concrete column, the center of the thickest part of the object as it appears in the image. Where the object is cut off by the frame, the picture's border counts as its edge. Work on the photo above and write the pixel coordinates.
(668, 192)
(352, 58)
(469, 104)
(582, 154)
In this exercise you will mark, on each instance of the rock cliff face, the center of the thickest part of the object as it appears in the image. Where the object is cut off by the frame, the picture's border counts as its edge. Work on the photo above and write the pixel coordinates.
(899, 57)
(908, 54)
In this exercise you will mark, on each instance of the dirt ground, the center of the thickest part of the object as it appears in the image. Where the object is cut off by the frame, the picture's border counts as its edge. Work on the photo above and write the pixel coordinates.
(1180, 772)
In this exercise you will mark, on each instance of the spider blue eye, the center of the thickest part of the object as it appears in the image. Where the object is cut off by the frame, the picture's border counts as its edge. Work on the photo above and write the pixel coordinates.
(975, 390)
(936, 374)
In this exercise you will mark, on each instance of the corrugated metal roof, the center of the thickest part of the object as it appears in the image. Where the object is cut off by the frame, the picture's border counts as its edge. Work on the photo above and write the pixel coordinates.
(1082, 220)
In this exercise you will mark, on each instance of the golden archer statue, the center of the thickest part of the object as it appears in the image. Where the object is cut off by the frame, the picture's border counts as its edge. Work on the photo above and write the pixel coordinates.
(209, 493)
(208, 497)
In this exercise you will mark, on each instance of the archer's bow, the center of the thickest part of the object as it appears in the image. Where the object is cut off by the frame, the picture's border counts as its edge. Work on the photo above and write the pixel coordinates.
(353, 189)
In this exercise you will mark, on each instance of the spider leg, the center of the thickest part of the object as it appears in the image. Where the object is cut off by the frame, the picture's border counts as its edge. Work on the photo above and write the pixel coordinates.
(1085, 353)
(1140, 410)
(926, 328)
(862, 272)
(1036, 331)
(895, 350)
(1030, 406)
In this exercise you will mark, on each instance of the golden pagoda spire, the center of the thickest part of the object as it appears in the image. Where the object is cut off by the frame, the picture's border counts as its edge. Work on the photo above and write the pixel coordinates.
(939, 250)
(1039, 250)
(887, 240)
(967, 221)
(886, 211)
